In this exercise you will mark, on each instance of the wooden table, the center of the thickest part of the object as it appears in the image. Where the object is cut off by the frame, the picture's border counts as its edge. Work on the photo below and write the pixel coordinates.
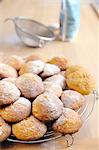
(83, 51)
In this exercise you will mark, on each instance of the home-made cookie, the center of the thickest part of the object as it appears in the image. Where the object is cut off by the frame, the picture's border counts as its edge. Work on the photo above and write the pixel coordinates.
(74, 68)
(29, 129)
(17, 111)
(68, 123)
(80, 80)
(9, 93)
(7, 71)
(58, 79)
(36, 67)
(49, 70)
(47, 107)
(30, 85)
(72, 99)
(53, 88)
(61, 62)
(33, 57)
(5, 130)
(15, 61)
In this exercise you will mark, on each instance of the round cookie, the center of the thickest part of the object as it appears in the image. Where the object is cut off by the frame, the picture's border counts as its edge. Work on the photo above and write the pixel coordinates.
(57, 79)
(72, 99)
(61, 62)
(29, 129)
(68, 123)
(35, 67)
(5, 130)
(80, 80)
(15, 61)
(50, 70)
(33, 57)
(30, 85)
(47, 107)
(7, 71)
(17, 111)
(53, 88)
(9, 93)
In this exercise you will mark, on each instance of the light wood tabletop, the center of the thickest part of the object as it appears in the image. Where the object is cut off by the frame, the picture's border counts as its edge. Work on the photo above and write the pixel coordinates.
(84, 50)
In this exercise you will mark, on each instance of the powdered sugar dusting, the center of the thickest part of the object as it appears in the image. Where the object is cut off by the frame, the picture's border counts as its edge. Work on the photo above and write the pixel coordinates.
(53, 88)
(23, 101)
(36, 66)
(50, 69)
(10, 79)
(8, 92)
(30, 85)
(7, 71)
(69, 97)
(52, 107)
(1, 132)
(58, 79)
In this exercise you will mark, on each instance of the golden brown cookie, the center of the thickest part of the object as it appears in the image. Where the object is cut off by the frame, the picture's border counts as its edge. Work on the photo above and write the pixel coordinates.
(35, 67)
(17, 111)
(9, 93)
(33, 57)
(30, 85)
(72, 99)
(7, 71)
(15, 61)
(53, 88)
(61, 62)
(5, 130)
(68, 123)
(47, 107)
(80, 80)
(74, 68)
(29, 129)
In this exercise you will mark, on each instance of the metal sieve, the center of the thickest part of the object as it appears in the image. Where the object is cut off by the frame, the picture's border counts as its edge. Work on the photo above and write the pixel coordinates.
(31, 32)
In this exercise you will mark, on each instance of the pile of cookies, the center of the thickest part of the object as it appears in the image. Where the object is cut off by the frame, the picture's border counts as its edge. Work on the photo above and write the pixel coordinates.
(34, 93)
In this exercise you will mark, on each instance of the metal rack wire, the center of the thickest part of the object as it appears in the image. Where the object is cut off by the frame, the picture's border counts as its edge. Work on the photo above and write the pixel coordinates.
(84, 112)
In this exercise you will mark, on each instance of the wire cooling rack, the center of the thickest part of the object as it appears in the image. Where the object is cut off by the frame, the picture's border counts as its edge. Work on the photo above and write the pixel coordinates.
(84, 112)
